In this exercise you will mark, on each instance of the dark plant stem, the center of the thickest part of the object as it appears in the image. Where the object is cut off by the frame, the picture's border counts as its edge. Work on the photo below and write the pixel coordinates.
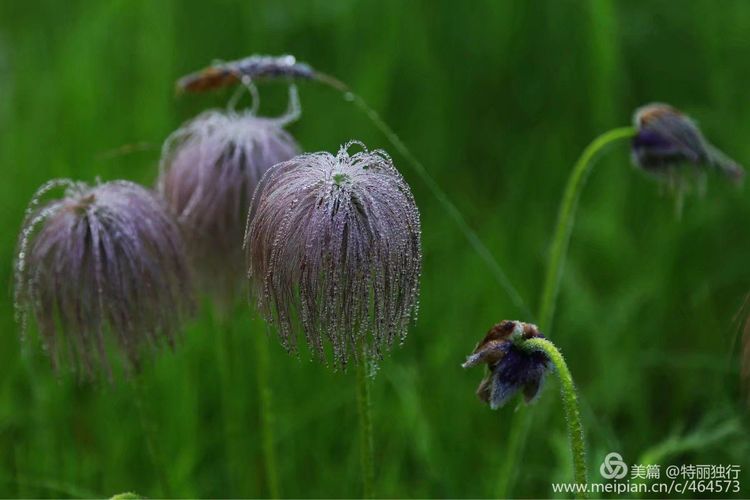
(365, 425)
(267, 417)
(566, 219)
(519, 425)
(150, 434)
(230, 418)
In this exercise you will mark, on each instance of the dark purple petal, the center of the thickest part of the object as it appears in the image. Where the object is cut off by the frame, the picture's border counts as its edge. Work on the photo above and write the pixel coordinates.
(512, 369)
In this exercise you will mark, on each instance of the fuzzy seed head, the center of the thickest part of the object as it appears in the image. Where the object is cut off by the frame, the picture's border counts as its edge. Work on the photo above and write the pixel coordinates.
(210, 168)
(101, 270)
(333, 245)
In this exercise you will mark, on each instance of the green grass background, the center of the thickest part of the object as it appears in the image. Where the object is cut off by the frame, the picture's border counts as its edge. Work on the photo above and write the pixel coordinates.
(497, 99)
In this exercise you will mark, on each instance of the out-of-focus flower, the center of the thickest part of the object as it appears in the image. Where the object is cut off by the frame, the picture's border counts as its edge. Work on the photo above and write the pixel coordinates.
(334, 246)
(667, 142)
(512, 369)
(210, 168)
(252, 68)
(101, 270)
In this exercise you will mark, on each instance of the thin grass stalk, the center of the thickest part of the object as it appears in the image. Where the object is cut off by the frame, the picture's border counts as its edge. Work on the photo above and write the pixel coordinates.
(230, 419)
(260, 67)
(566, 219)
(454, 213)
(150, 434)
(570, 406)
(365, 425)
(519, 426)
(267, 416)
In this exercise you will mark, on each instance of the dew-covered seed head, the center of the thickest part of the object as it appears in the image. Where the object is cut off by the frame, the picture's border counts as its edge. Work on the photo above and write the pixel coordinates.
(209, 170)
(512, 369)
(333, 247)
(101, 270)
(670, 145)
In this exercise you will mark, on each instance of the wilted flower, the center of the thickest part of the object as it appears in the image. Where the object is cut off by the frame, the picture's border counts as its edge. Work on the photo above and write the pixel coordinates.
(253, 68)
(101, 269)
(667, 140)
(333, 244)
(512, 368)
(210, 168)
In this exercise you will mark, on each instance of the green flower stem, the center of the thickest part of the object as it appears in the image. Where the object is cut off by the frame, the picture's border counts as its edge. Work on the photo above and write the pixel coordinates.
(150, 432)
(365, 425)
(230, 412)
(267, 416)
(570, 404)
(566, 219)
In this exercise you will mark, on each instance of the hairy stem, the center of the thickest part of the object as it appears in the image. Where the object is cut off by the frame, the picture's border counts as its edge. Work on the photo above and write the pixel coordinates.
(570, 405)
(365, 425)
(267, 416)
(566, 219)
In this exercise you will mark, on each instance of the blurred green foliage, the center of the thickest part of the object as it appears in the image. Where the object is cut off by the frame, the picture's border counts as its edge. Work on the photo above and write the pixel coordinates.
(497, 99)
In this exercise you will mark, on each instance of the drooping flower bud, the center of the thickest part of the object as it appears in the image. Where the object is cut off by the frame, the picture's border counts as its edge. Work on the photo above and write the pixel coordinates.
(667, 142)
(512, 369)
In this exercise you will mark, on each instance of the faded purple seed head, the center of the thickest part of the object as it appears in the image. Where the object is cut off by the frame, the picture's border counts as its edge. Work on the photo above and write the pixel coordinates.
(512, 369)
(210, 168)
(101, 270)
(333, 245)
(667, 142)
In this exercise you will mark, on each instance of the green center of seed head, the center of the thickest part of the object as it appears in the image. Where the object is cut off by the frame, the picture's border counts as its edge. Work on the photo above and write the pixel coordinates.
(83, 204)
(339, 179)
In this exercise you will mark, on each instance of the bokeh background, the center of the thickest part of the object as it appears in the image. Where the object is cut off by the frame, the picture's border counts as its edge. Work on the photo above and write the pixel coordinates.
(497, 99)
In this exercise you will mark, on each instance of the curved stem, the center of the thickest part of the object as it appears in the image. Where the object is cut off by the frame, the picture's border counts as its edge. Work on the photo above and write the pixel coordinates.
(566, 219)
(570, 405)
(365, 425)
(266, 414)
(455, 214)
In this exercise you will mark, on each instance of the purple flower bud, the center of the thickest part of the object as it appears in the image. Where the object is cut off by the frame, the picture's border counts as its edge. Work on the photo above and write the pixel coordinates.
(667, 140)
(101, 270)
(333, 245)
(210, 168)
(512, 369)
